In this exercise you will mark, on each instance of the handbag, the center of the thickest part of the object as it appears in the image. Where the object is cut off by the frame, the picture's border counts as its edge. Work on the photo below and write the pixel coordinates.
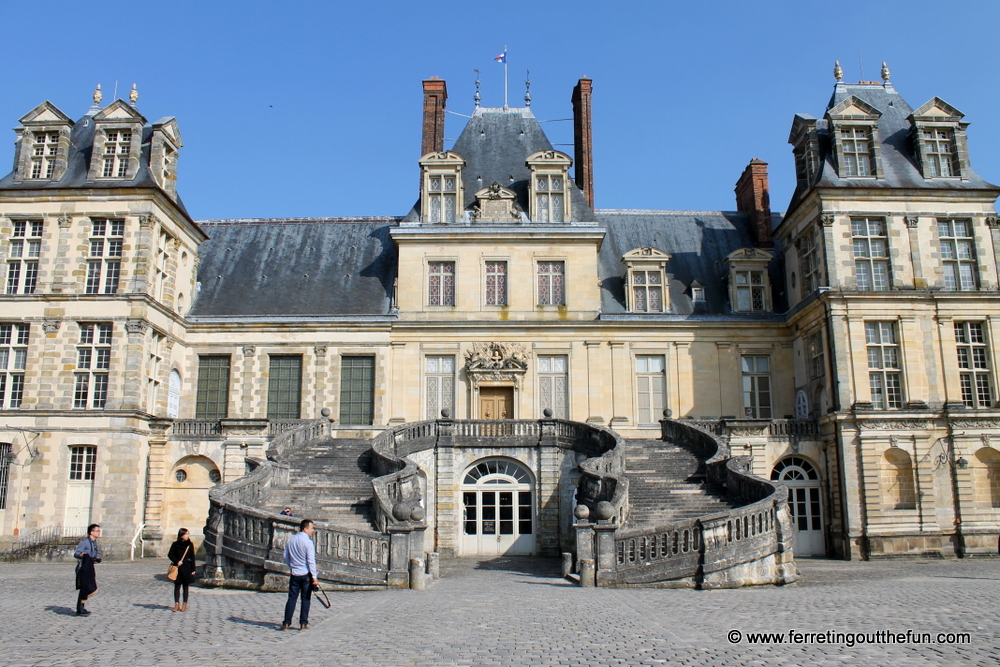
(172, 570)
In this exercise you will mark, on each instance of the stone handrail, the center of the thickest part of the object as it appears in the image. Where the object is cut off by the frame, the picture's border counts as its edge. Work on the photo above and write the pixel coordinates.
(196, 427)
(295, 438)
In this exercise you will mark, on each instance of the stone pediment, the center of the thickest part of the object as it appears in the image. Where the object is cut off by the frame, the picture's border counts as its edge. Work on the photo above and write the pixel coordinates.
(168, 126)
(854, 108)
(46, 113)
(496, 204)
(937, 109)
(496, 362)
(646, 255)
(120, 111)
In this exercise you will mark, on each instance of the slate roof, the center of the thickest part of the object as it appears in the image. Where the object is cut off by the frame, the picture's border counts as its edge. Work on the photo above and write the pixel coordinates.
(305, 267)
(78, 165)
(899, 161)
(495, 144)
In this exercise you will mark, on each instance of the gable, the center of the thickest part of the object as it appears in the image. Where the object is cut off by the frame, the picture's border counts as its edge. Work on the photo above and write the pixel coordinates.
(46, 112)
(119, 110)
(854, 107)
(938, 109)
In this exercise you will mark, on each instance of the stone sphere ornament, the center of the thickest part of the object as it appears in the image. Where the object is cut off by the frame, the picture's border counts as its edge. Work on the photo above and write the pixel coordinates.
(581, 512)
(547, 413)
(604, 510)
(417, 513)
(446, 413)
(401, 511)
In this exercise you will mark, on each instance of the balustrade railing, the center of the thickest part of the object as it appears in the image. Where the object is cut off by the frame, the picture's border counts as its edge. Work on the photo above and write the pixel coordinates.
(196, 427)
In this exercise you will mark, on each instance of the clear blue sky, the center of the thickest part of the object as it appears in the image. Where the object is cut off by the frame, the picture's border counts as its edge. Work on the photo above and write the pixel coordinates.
(292, 109)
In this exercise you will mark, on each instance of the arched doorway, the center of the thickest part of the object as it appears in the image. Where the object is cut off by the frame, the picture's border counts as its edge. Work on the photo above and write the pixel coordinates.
(498, 509)
(804, 502)
(185, 498)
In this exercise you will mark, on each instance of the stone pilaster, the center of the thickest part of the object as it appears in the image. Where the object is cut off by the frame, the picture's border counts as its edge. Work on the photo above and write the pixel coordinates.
(621, 388)
(131, 398)
(142, 256)
(595, 383)
(246, 391)
(548, 503)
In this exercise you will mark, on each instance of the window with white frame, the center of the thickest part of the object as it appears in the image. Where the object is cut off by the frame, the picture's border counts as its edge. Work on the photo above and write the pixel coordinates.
(104, 262)
(884, 370)
(553, 385)
(810, 261)
(93, 363)
(22, 260)
(442, 194)
(756, 387)
(496, 283)
(117, 147)
(646, 280)
(153, 365)
(82, 463)
(938, 152)
(958, 254)
(440, 379)
(817, 357)
(44, 150)
(651, 387)
(551, 284)
(856, 151)
(163, 241)
(647, 291)
(550, 197)
(751, 292)
(973, 364)
(871, 253)
(441, 283)
(13, 362)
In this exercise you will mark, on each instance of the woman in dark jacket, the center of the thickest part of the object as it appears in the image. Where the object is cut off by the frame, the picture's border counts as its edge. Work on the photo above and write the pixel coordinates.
(181, 554)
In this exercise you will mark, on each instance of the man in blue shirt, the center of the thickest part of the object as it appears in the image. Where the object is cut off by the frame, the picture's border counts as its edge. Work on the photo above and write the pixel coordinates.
(300, 556)
(87, 553)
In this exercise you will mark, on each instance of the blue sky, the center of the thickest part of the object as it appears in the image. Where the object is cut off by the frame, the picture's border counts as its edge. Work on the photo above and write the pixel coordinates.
(297, 109)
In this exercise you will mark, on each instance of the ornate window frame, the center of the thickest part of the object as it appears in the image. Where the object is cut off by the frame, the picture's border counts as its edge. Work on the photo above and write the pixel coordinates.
(436, 167)
(853, 114)
(748, 276)
(165, 144)
(114, 118)
(940, 117)
(550, 191)
(642, 265)
(49, 122)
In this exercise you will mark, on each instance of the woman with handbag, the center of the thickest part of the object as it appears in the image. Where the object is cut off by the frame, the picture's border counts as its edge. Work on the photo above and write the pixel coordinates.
(182, 567)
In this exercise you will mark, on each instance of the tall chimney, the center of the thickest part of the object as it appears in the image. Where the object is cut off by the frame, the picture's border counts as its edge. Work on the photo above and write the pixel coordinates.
(754, 199)
(435, 95)
(582, 142)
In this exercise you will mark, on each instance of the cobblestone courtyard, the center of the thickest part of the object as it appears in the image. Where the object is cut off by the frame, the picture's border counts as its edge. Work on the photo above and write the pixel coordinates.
(506, 612)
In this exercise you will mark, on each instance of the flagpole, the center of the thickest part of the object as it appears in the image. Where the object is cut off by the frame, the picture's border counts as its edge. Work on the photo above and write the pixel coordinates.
(505, 107)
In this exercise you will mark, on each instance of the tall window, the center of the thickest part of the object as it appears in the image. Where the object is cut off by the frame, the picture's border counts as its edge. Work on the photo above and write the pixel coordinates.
(496, 283)
(22, 263)
(856, 145)
(5, 449)
(958, 255)
(442, 193)
(884, 370)
(93, 362)
(810, 262)
(441, 283)
(651, 387)
(82, 463)
(551, 288)
(552, 385)
(163, 241)
(45, 148)
(13, 361)
(939, 152)
(871, 253)
(357, 390)
(104, 264)
(153, 364)
(117, 146)
(647, 291)
(750, 291)
(817, 361)
(550, 198)
(973, 364)
(212, 401)
(284, 388)
(440, 385)
(756, 387)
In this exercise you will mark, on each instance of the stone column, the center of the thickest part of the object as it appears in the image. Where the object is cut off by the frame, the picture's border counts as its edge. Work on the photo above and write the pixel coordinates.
(321, 389)
(246, 391)
(993, 223)
(607, 574)
(51, 362)
(156, 470)
(916, 260)
(131, 398)
(830, 253)
(142, 254)
(548, 503)
(62, 264)
(448, 510)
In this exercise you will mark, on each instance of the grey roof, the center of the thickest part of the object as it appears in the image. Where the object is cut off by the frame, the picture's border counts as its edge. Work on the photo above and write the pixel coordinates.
(698, 243)
(300, 267)
(495, 143)
(899, 161)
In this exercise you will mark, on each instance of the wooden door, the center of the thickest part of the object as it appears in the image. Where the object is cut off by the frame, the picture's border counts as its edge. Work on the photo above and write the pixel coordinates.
(496, 403)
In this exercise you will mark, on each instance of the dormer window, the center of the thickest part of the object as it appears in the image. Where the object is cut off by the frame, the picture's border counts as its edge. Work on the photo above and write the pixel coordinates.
(938, 152)
(42, 144)
(44, 151)
(856, 152)
(646, 289)
(117, 142)
(854, 128)
(117, 146)
(549, 200)
(750, 286)
(940, 140)
(441, 199)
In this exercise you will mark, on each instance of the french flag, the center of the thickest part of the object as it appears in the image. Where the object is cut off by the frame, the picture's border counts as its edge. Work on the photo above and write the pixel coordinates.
(502, 58)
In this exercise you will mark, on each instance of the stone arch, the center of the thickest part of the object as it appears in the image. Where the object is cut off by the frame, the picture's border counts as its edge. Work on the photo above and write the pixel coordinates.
(986, 478)
(898, 484)
(185, 495)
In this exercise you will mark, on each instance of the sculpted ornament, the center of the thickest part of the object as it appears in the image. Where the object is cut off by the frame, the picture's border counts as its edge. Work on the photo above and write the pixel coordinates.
(893, 425)
(496, 362)
(976, 423)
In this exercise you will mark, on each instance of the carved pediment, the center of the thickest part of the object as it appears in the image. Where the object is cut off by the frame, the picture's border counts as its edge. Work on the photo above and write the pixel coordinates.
(854, 108)
(496, 204)
(646, 254)
(496, 362)
(752, 255)
(46, 113)
(937, 109)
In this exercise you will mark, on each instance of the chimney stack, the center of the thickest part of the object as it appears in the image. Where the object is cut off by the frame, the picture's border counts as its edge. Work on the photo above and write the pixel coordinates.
(754, 199)
(435, 95)
(583, 146)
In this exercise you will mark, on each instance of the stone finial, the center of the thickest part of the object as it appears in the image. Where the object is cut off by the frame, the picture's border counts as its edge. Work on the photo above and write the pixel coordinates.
(98, 95)
(838, 73)
(133, 95)
(885, 72)
(477, 98)
(527, 88)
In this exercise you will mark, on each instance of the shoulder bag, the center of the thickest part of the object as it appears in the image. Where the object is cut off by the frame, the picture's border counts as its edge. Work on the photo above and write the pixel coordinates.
(172, 570)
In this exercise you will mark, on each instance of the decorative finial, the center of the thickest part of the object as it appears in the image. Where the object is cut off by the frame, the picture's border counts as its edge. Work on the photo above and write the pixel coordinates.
(133, 96)
(838, 73)
(527, 87)
(885, 72)
(477, 96)
(98, 95)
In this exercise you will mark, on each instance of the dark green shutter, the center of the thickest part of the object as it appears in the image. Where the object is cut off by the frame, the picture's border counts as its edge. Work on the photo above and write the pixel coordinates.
(357, 390)
(284, 388)
(213, 388)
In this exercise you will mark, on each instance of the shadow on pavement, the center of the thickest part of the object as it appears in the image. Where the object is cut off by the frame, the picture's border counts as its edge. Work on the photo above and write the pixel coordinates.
(151, 606)
(546, 568)
(63, 611)
(259, 624)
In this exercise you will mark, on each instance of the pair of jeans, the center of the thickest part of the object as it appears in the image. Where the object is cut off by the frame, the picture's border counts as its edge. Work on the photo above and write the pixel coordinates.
(299, 586)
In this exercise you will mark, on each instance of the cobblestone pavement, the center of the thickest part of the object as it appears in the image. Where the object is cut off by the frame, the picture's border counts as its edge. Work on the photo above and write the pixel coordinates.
(506, 612)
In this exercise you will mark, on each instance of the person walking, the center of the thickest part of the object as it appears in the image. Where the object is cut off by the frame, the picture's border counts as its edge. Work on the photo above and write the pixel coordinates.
(181, 554)
(300, 556)
(88, 552)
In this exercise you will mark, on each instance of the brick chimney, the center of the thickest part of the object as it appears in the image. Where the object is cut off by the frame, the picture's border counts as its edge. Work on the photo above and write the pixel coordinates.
(432, 137)
(583, 146)
(754, 199)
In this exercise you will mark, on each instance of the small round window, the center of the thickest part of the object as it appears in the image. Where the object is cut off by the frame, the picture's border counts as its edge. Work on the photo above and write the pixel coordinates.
(180, 475)
(214, 476)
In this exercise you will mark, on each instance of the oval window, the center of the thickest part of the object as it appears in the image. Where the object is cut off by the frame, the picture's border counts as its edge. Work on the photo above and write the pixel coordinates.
(180, 475)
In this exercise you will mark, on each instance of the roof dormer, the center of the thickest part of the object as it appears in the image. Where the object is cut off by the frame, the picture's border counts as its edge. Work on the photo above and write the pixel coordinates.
(939, 137)
(496, 204)
(42, 144)
(854, 130)
(441, 196)
(749, 283)
(549, 194)
(117, 143)
(646, 280)
(165, 144)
